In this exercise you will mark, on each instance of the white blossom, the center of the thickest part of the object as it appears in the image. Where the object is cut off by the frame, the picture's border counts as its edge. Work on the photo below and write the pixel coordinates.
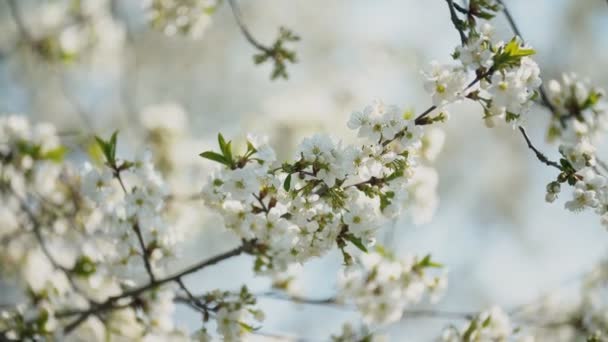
(446, 84)
(382, 287)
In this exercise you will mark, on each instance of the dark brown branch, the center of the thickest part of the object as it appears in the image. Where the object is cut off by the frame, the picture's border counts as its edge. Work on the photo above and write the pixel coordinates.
(457, 22)
(420, 118)
(191, 300)
(144, 250)
(539, 155)
(111, 302)
(261, 202)
(236, 11)
(543, 94)
(136, 228)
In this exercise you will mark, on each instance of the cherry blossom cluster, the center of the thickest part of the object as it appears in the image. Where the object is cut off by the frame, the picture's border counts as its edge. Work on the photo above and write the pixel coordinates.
(350, 333)
(499, 75)
(67, 29)
(382, 286)
(186, 17)
(490, 325)
(332, 195)
(578, 120)
(73, 240)
(129, 195)
(232, 311)
(580, 113)
(150, 320)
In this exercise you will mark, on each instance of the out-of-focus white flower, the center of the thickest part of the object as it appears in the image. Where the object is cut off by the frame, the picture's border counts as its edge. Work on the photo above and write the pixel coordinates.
(382, 287)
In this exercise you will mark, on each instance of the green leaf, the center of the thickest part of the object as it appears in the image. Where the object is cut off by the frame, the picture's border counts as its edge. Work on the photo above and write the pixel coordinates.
(511, 116)
(216, 157)
(487, 322)
(56, 154)
(102, 144)
(511, 54)
(357, 242)
(225, 148)
(95, 152)
(250, 148)
(221, 142)
(108, 147)
(113, 145)
(287, 183)
(27, 148)
(386, 200)
(427, 262)
(514, 49)
(592, 99)
(466, 337)
(248, 328)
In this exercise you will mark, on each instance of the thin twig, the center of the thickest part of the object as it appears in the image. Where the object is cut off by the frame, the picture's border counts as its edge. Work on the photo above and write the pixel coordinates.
(136, 228)
(264, 207)
(460, 8)
(539, 155)
(419, 119)
(36, 225)
(196, 303)
(457, 22)
(144, 250)
(510, 19)
(110, 303)
(543, 94)
(236, 11)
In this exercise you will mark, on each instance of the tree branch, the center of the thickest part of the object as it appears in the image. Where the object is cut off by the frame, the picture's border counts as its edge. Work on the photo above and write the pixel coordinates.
(136, 228)
(543, 94)
(110, 303)
(539, 155)
(236, 11)
(457, 22)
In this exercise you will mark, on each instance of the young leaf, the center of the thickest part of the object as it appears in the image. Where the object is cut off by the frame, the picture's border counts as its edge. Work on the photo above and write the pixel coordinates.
(216, 157)
(357, 242)
(225, 148)
(466, 337)
(487, 322)
(250, 148)
(56, 155)
(287, 183)
(221, 142)
(108, 147)
(427, 262)
(95, 152)
(248, 328)
(113, 145)
(514, 49)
